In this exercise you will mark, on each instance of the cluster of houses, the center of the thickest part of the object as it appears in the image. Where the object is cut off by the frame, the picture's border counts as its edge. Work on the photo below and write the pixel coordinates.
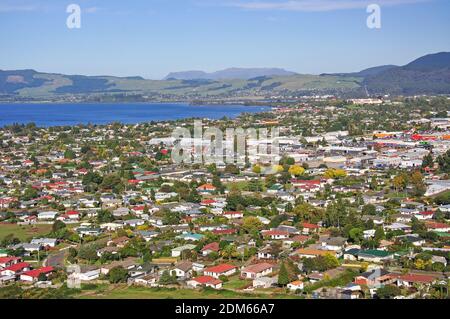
(206, 227)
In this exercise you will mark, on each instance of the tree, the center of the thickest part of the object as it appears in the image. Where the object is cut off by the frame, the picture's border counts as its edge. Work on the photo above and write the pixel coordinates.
(419, 187)
(283, 275)
(257, 169)
(117, 275)
(296, 170)
(444, 162)
(369, 209)
(379, 234)
(42, 277)
(388, 291)
(29, 193)
(167, 279)
(251, 224)
(104, 216)
(229, 251)
(58, 225)
(428, 161)
(335, 173)
(356, 235)
(69, 154)
(399, 182)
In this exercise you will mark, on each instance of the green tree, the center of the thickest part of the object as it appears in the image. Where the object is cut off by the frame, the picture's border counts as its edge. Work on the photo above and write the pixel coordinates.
(117, 275)
(283, 275)
(388, 292)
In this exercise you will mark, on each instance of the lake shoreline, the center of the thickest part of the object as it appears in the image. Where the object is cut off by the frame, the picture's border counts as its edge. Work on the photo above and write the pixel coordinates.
(72, 114)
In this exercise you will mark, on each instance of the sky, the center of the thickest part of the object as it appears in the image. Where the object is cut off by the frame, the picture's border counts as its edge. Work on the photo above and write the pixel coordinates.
(151, 38)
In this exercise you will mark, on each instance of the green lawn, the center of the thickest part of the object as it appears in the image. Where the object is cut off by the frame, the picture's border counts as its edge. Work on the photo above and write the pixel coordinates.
(23, 232)
(235, 283)
(134, 292)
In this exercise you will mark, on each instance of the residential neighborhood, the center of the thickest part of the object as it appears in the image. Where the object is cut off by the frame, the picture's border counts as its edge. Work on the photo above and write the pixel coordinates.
(356, 206)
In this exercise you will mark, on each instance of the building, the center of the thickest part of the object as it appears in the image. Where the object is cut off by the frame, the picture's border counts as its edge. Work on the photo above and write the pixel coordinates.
(256, 271)
(220, 270)
(205, 281)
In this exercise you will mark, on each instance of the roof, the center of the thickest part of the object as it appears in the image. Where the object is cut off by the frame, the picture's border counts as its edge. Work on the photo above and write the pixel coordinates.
(36, 272)
(212, 246)
(256, 268)
(300, 238)
(416, 278)
(308, 225)
(275, 233)
(17, 267)
(4, 260)
(206, 187)
(207, 280)
(184, 265)
(314, 252)
(374, 252)
(220, 268)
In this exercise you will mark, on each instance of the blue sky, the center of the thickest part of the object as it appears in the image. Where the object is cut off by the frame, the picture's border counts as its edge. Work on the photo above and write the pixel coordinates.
(154, 37)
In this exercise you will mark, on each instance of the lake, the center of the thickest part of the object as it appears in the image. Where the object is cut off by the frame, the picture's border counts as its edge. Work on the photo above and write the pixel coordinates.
(45, 115)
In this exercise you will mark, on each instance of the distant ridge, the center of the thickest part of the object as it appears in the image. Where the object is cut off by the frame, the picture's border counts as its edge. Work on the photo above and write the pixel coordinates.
(429, 74)
(231, 73)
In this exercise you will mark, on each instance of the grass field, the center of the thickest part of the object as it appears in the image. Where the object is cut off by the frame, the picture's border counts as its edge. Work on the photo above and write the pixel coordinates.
(23, 232)
(125, 292)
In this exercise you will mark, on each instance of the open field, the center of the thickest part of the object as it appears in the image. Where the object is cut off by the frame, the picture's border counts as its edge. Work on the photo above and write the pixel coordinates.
(23, 232)
(125, 292)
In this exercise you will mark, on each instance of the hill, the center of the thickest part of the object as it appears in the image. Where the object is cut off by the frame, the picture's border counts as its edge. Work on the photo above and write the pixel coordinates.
(427, 75)
(228, 74)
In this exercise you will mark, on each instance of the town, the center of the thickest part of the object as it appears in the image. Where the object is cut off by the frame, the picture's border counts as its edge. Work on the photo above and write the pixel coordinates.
(356, 206)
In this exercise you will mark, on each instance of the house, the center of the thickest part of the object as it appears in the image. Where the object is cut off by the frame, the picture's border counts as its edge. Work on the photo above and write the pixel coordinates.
(119, 242)
(410, 280)
(374, 255)
(182, 269)
(436, 226)
(374, 278)
(8, 261)
(73, 215)
(206, 189)
(88, 274)
(134, 222)
(275, 234)
(145, 280)
(128, 263)
(15, 269)
(176, 252)
(233, 215)
(308, 228)
(256, 271)
(206, 281)
(295, 285)
(266, 253)
(333, 243)
(147, 235)
(220, 270)
(209, 248)
(45, 242)
(33, 275)
(47, 215)
(191, 237)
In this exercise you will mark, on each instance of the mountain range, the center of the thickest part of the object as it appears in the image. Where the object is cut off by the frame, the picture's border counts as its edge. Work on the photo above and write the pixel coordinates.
(231, 73)
(429, 74)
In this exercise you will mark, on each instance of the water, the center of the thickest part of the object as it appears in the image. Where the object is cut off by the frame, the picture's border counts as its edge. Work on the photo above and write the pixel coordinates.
(45, 115)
